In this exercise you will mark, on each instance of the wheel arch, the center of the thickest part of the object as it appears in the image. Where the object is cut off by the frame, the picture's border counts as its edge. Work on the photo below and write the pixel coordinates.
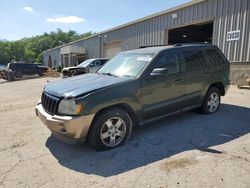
(124, 106)
(220, 87)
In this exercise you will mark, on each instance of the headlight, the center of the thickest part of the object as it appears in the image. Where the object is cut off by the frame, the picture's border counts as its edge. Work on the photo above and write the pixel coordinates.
(69, 107)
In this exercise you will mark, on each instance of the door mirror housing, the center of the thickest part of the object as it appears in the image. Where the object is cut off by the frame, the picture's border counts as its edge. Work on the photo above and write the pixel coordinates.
(159, 72)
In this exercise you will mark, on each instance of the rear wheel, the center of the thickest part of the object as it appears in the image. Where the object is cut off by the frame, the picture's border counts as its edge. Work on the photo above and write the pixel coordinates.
(110, 129)
(211, 102)
(40, 73)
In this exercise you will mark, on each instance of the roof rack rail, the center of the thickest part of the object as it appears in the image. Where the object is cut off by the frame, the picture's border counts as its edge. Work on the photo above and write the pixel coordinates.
(148, 46)
(190, 43)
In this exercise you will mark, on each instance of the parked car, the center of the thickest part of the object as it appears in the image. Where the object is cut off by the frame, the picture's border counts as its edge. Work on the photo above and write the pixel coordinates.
(88, 66)
(134, 87)
(17, 70)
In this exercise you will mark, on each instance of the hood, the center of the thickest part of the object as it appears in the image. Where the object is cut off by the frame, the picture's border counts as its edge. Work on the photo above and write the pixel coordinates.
(81, 85)
(69, 68)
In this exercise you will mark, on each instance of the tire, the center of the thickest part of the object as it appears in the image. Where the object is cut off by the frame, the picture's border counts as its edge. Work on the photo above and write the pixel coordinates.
(70, 74)
(10, 76)
(211, 102)
(18, 74)
(110, 129)
(40, 73)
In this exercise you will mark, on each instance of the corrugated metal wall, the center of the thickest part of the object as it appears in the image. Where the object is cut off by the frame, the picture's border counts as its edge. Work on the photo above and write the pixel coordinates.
(55, 56)
(227, 15)
(233, 15)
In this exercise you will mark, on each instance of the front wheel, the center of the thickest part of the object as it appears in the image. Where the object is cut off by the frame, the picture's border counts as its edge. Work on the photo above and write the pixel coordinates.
(211, 102)
(18, 74)
(110, 129)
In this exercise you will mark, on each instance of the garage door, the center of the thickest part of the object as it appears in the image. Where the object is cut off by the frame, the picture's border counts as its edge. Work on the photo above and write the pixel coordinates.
(202, 32)
(111, 49)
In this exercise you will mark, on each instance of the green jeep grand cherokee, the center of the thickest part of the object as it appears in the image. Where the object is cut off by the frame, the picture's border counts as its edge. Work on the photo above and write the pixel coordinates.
(132, 88)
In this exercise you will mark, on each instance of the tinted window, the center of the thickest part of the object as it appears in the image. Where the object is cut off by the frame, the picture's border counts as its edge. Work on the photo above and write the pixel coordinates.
(214, 58)
(103, 62)
(194, 59)
(170, 61)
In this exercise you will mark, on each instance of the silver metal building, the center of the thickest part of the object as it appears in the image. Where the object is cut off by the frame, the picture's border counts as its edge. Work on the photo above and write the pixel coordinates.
(225, 23)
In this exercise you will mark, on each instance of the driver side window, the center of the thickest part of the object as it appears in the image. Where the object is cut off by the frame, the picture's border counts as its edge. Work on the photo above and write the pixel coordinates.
(170, 61)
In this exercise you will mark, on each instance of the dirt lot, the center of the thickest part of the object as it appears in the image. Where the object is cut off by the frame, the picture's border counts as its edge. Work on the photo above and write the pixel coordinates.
(190, 150)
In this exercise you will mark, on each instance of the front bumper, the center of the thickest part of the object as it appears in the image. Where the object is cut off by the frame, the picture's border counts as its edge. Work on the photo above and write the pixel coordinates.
(69, 129)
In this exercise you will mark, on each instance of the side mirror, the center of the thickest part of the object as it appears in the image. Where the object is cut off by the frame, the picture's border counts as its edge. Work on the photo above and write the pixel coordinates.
(159, 71)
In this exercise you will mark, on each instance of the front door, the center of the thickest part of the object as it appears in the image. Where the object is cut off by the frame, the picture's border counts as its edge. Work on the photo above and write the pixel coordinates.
(162, 91)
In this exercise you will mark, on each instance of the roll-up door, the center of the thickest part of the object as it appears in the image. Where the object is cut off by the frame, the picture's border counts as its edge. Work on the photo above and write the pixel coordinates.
(113, 48)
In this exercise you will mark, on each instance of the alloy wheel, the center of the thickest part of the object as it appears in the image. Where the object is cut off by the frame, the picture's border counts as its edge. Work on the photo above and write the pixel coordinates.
(113, 131)
(213, 102)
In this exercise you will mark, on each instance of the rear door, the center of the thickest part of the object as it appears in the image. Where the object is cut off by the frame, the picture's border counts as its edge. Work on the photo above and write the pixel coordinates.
(195, 76)
(161, 94)
(30, 69)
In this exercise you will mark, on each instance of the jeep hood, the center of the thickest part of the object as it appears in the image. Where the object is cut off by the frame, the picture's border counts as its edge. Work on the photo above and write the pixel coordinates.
(81, 85)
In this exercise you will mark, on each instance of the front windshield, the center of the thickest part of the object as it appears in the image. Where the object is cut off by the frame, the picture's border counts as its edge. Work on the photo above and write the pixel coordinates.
(127, 64)
(85, 63)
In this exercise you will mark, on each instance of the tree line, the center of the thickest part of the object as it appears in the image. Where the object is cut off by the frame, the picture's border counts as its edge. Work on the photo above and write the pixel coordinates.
(30, 49)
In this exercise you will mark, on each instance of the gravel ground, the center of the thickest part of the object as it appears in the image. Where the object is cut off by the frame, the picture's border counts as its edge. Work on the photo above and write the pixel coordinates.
(189, 150)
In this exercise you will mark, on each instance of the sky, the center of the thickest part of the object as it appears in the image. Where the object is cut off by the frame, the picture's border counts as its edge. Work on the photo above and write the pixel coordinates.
(26, 18)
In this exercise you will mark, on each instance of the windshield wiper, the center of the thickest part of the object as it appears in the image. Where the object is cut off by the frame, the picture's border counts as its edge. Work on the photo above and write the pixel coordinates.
(109, 74)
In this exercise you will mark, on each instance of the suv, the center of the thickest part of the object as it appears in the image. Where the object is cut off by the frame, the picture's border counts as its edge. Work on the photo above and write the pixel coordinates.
(133, 88)
(17, 70)
(90, 65)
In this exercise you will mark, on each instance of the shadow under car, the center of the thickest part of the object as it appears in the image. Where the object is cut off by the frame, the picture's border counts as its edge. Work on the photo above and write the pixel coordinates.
(157, 141)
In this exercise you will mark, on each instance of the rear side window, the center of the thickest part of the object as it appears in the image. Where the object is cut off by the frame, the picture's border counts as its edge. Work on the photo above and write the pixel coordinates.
(194, 59)
(214, 57)
(169, 60)
(103, 62)
(98, 63)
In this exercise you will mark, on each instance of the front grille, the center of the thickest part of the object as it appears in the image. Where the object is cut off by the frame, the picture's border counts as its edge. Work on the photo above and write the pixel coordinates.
(50, 103)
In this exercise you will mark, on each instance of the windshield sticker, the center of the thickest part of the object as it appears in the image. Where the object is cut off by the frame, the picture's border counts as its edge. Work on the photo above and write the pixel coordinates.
(148, 58)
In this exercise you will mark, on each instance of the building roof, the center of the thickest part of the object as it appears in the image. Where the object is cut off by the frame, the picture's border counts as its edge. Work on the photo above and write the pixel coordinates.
(193, 2)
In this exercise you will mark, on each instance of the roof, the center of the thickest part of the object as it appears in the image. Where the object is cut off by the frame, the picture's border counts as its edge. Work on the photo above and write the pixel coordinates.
(193, 2)
(157, 49)
(99, 59)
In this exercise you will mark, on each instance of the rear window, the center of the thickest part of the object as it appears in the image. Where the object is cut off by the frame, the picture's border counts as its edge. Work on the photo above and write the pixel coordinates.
(194, 59)
(214, 57)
